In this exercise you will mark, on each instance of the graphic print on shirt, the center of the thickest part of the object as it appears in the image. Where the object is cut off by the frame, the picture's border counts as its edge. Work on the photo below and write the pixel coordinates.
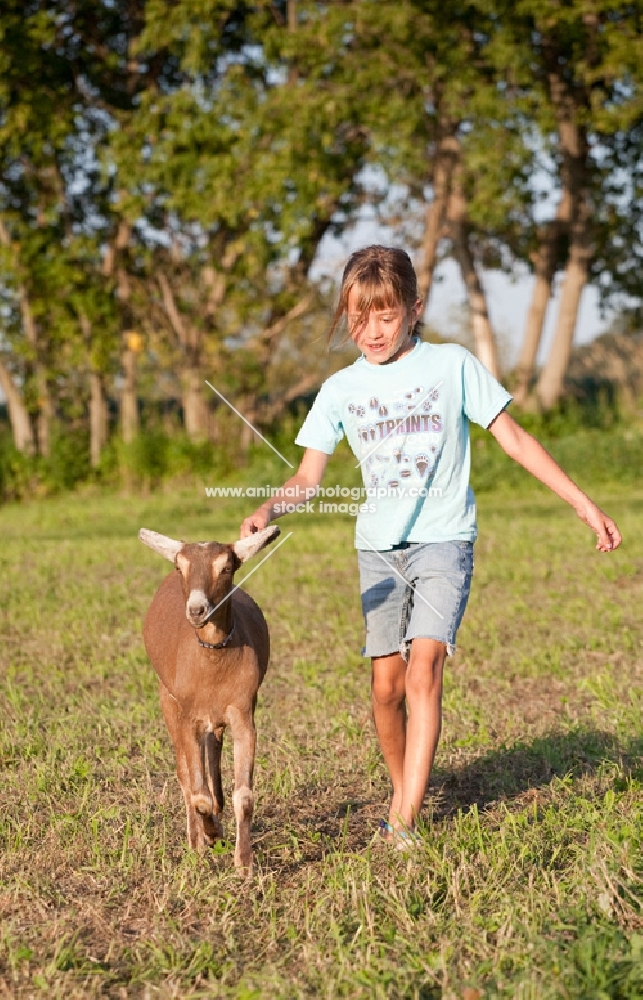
(399, 438)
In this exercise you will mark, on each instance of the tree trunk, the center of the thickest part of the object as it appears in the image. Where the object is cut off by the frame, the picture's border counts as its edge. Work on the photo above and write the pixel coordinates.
(97, 418)
(21, 428)
(45, 413)
(483, 336)
(129, 401)
(546, 261)
(196, 416)
(23, 437)
(551, 382)
(435, 216)
(247, 406)
(41, 441)
(533, 334)
(574, 147)
(97, 402)
(128, 415)
(195, 411)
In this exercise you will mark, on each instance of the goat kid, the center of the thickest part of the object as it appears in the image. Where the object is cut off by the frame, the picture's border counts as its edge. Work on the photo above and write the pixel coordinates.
(209, 645)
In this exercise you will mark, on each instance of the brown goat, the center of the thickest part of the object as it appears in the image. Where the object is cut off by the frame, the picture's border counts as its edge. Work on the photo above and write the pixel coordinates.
(209, 645)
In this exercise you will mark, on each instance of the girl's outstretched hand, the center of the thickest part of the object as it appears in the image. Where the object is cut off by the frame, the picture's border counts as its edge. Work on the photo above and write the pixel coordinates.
(256, 522)
(608, 537)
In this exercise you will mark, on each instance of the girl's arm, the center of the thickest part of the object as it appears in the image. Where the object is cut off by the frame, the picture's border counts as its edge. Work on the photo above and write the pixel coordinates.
(301, 487)
(528, 452)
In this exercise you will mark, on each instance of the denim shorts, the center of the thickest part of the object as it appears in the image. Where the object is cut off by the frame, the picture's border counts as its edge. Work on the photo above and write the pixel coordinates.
(416, 590)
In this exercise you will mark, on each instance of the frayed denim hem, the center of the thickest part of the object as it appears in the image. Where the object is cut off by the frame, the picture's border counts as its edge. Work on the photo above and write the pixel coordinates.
(405, 646)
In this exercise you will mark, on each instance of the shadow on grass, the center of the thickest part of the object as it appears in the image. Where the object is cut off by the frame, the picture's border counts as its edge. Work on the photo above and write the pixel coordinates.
(502, 775)
(508, 772)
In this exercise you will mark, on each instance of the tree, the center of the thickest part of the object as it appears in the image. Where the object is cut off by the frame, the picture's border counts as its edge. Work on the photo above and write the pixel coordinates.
(444, 122)
(242, 166)
(35, 122)
(584, 60)
(65, 68)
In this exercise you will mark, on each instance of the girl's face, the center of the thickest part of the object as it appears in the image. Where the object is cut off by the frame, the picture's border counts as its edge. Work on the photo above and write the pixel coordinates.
(385, 334)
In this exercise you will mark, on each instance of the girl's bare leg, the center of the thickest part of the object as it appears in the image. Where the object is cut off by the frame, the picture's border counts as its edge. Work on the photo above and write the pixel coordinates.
(424, 703)
(409, 744)
(389, 715)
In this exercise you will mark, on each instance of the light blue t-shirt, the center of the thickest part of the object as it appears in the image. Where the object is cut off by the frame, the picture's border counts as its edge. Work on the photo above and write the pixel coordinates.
(407, 424)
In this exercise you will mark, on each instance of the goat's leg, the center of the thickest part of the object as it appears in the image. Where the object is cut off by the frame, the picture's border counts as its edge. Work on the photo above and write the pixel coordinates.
(213, 746)
(200, 797)
(245, 740)
(172, 715)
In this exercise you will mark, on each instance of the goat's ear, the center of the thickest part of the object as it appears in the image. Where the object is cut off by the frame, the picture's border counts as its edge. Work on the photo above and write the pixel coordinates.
(245, 548)
(167, 547)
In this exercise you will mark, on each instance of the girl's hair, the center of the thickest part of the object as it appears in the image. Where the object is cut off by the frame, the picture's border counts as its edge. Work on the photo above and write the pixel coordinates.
(384, 276)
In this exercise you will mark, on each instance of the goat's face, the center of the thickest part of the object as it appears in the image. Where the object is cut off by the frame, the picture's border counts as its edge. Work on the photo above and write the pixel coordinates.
(207, 568)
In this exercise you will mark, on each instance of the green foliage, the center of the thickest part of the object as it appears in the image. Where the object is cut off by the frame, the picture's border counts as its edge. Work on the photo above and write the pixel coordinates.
(16, 471)
(578, 66)
(144, 460)
(589, 439)
(215, 144)
(590, 456)
(66, 467)
(594, 448)
(154, 457)
(68, 464)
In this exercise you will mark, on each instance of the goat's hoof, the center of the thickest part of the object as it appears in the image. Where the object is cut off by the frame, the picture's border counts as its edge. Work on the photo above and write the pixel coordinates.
(202, 805)
(213, 829)
(243, 863)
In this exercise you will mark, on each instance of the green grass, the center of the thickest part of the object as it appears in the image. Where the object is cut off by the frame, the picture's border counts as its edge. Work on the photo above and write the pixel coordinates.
(529, 883)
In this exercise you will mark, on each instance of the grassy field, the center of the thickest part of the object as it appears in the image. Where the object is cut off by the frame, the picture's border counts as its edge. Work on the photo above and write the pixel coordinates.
(529, 881)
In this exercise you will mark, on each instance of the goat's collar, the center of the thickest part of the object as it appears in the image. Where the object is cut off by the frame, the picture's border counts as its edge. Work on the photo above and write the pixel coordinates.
(216, 645)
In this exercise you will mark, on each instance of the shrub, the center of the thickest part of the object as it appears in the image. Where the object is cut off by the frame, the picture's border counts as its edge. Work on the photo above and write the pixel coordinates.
(16, 470)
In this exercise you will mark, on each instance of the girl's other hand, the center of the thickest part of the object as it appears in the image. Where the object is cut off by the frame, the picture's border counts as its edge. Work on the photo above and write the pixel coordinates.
(608, 537)
(256, 522)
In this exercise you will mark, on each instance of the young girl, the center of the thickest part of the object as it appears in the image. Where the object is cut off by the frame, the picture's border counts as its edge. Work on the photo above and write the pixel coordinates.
(404, 407)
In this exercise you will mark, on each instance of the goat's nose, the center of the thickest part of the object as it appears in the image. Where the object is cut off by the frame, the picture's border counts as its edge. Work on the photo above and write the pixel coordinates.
(197, 604)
